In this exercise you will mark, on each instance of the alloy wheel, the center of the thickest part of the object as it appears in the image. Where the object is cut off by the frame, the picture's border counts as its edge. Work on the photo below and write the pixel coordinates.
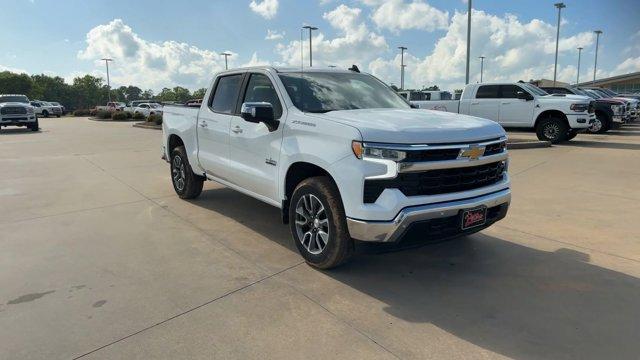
(312, 224)
(552, 131)
(596, 126)
(178, 172)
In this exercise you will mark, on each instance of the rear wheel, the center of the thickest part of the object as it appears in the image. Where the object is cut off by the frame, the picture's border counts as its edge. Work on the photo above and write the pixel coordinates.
(553, 130)
(318, 223)
(186, 184)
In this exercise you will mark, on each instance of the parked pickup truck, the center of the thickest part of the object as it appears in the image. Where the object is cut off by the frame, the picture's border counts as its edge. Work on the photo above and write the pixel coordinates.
(522, 105)
(342, 155)
(15, 110)
(610, 113)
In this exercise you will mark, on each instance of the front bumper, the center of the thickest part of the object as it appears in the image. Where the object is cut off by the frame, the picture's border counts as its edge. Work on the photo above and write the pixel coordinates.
(580, 121)
(392, 231)
(20, 120)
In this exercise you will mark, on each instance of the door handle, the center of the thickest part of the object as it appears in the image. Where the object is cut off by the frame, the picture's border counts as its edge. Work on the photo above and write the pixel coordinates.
(237, 130)
(505, 103)
(475, 103)
(203, 124)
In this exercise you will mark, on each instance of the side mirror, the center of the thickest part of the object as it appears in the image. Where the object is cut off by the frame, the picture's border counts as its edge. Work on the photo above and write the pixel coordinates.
(523, 95)
(259, 112)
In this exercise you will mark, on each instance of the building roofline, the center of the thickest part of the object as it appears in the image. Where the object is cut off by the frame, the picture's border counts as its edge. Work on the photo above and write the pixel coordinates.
(611, 78)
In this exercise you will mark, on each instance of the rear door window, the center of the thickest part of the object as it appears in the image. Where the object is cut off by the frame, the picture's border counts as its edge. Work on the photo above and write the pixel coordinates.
(226, 94)
(509, 91)
(488, 92)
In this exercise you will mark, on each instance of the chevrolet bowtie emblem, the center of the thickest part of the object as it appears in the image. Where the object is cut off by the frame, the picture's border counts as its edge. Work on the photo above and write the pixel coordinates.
(473, 152)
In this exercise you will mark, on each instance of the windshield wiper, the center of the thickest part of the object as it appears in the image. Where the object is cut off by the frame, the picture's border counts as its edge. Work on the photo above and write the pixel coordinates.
(320, 111)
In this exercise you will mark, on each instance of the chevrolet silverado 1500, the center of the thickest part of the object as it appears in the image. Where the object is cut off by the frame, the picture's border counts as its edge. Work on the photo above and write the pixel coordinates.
(342, 155)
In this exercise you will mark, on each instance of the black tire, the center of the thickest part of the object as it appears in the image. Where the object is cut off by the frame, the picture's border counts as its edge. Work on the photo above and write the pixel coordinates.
(35, 126)
(601, 124)
(338, 247)
(45, 113)
(57, 116)
(571, 134)
(186, 184)
(552, 129)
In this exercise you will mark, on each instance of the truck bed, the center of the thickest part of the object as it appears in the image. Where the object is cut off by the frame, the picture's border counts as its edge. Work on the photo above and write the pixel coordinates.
(442, 105)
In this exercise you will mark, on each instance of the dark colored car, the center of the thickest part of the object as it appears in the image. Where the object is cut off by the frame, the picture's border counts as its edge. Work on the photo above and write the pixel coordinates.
(609, 112)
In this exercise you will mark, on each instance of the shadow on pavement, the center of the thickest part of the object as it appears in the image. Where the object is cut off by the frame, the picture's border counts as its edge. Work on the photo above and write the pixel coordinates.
(508, 298)
(19, 130)
(601, 144)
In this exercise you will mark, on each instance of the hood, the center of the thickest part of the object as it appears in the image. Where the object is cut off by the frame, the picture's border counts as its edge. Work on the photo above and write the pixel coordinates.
(570, 97)
(416, 126)
(631, 100)
(14, 104)
(610, 101)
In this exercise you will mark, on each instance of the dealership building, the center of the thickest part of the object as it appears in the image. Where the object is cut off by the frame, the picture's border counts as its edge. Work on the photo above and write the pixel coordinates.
(627, 83)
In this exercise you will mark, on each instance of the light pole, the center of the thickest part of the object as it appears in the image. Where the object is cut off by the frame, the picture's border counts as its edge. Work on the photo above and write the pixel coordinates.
(481, 66)
(311, 28)
(466, 79)
(402, 49)
(226, 63)
(578, 76)
(106, 62)
(595, 64)
(560, 6)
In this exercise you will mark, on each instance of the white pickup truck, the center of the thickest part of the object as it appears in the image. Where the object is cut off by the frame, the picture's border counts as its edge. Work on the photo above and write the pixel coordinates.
(522, 105)
(342, 155)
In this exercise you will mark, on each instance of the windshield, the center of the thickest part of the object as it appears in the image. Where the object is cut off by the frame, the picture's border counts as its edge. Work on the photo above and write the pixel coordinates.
(579, 91)
(324, 91)
(14, 98)
(594, 93)
(609, 92)
(534, 89)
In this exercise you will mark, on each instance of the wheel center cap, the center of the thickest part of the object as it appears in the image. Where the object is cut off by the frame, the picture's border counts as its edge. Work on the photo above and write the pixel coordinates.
(316, 223)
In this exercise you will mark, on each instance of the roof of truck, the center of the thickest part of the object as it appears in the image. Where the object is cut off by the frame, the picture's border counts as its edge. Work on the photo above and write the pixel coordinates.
(288, 69)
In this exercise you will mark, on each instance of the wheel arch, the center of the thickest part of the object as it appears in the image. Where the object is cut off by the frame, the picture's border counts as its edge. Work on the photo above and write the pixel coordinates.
(173, 142)
(547, 114)
(296, 173)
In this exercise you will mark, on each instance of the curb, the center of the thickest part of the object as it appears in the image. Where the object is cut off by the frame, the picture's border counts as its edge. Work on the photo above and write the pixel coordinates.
(532, 144)
(145, 126)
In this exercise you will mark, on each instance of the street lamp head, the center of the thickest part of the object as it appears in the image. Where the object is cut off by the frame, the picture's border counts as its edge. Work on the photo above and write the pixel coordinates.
(560, 5)
(580, 48)
(225, 54)
(481, 57)
(106, 59)
(402, 47)
(310, 27)
(598, 32)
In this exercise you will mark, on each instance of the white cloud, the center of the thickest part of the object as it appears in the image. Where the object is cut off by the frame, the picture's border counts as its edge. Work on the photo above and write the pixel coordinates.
(356, 44)
(265, 8)
(150, 64)
(12, 69)
(631, 64)
(274, 35)
(514, 50)
(255, 61)
(398, 15)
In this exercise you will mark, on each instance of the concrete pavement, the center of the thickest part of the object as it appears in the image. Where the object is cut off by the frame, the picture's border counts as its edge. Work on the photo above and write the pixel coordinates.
(99, 259)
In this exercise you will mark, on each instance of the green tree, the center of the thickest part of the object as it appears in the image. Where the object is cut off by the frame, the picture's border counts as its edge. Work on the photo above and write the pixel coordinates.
(90, 91)
(133, 93)
(181, 94)
(432, 88)
(12, 83)
(147, 94)
(199, 94)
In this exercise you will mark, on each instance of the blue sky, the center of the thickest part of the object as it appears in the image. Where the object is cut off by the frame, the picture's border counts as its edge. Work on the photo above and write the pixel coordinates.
(168, 43)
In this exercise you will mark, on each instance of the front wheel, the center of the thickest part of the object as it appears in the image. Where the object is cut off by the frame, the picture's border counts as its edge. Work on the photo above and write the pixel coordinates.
(35, 126)
(600, 125)
(553, 130)
(318, 223)
(45, 113)
(186, 184)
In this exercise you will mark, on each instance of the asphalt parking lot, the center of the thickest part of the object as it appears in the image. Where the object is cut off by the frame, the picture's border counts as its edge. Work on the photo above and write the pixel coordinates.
(99, 258)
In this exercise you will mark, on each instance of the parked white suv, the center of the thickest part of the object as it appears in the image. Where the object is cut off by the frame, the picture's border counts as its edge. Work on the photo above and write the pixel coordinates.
(342, 155)
(147, 109)
(15, 110)
(46, 109)
(522, 105)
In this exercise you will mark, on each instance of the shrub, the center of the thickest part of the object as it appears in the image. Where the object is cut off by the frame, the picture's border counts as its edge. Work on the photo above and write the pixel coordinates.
(118, 115)
(101, 114)
(138, 116)
(82, 112)
(129, 114)
(156, 119)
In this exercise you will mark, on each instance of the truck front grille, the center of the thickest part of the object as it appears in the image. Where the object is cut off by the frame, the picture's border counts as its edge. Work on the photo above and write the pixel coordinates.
(445, 154)
(591, 108)
(13, 110)
(435, 182)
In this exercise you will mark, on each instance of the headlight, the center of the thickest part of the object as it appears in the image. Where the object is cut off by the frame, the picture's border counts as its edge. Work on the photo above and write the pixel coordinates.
(29, 110)
(579, 107)
(362, 150)
(617, 109)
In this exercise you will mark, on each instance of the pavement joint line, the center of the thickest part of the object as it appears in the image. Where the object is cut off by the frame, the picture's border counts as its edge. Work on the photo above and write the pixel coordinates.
(567, 243)
(72, 212)
(348, 324)
(258, 281)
